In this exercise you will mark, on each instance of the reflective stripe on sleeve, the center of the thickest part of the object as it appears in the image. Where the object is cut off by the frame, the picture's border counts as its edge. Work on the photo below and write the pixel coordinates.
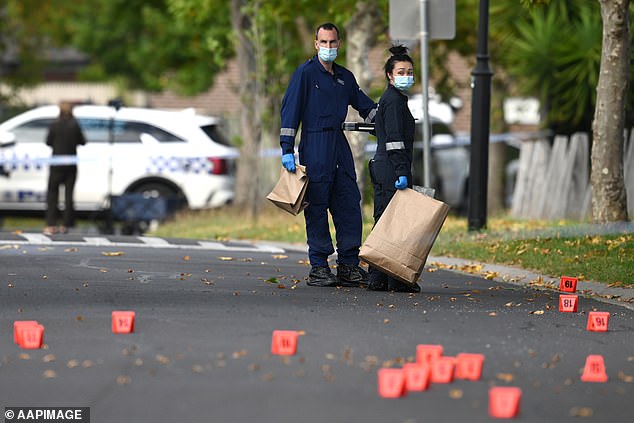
(371, 115)
(399, 145)
(289, 132)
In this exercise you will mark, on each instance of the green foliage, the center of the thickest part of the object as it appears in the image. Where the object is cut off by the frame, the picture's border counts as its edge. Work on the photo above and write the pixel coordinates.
(141, 41)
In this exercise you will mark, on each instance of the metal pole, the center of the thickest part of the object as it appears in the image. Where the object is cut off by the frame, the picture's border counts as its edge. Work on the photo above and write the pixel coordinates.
(480, 116)
(424, 54)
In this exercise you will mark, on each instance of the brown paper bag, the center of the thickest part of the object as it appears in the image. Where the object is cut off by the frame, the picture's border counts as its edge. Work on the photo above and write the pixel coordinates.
(402, 238)
(288, 194)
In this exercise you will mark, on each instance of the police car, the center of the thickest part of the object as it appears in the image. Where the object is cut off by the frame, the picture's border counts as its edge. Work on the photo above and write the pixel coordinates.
(180, 155)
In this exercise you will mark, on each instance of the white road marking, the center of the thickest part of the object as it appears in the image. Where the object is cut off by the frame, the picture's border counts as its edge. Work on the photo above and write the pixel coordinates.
(37, 239)
(147, 242)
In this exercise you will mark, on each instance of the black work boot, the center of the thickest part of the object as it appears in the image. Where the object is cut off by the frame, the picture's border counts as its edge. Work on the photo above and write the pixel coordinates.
(398, 286)
(351, 276)
(377, 281)
(321, 276)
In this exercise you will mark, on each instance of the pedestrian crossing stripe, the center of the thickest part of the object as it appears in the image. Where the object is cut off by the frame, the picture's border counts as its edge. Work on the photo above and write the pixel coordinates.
(145, 242)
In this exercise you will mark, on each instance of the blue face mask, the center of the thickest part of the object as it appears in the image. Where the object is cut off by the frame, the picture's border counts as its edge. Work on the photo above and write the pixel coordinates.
(403, 83)
(327, 54)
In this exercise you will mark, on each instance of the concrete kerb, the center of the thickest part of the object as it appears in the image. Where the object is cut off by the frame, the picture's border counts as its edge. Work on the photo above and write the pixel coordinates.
(620, 296)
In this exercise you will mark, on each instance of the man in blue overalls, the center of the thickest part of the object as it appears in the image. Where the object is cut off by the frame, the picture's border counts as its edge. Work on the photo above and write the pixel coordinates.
(318, 97)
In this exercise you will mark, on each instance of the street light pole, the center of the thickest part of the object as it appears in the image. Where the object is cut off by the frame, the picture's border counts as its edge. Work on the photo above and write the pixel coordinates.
(480, 122)
(424, 66)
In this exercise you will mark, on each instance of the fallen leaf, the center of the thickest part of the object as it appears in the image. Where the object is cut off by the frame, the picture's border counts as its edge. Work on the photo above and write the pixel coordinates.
(491, 275)
(24, 356)
(626, 378)
(271, 280)
(386, 321)
(225, 258)
(455, 393)
(87, 364)
(538, 312)
(581, 412)
(48, 358)
(112, 253)
(506, 377)
(493, 314)
(162, 359)
(124, 380)
(72, 364)
(186, 258)
(280, 257)
(49, 374)
(197, 368)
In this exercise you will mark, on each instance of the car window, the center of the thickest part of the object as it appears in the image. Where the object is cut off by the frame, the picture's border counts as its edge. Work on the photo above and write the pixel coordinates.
(33, 131)
(99, 130)
(213, 132)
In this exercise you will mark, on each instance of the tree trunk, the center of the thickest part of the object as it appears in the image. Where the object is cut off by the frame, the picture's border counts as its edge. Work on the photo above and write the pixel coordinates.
(608, 188)
(247, 178)
(361, 32)
(495, 193)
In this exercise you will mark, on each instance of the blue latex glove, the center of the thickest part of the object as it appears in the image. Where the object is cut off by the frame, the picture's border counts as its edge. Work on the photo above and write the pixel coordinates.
(288, 161)
(401, 183)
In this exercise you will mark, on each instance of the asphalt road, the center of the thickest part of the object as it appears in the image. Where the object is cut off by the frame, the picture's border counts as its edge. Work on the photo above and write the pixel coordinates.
(205, 313)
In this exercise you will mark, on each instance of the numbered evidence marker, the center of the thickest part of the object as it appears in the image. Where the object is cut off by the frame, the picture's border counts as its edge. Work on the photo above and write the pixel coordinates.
(17, 324)
(284, 342)
(598, 321)
(594, 370)
(568, 303)
(428, 353)
(123, 321)
(469, 366)
(568, 284)
(504, 401)
(30, 336)
(416, 376)
(442, 370)
(391, 383)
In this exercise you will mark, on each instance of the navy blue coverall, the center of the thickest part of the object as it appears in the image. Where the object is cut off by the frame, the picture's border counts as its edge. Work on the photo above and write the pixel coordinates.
(394, 126)
(319, 101)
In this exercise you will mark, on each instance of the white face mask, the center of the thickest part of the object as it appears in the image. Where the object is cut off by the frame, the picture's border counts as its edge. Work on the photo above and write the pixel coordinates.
(403, 82)
(327, 54)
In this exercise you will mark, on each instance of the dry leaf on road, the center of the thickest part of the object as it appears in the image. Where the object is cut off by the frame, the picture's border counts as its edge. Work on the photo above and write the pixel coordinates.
(112, 253)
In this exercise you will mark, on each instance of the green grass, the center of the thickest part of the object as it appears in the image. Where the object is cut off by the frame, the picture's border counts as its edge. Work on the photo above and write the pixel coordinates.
(542, 246)
(549, 248)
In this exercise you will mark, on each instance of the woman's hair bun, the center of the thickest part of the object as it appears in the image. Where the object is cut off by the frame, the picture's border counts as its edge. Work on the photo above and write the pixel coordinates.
(398, 50)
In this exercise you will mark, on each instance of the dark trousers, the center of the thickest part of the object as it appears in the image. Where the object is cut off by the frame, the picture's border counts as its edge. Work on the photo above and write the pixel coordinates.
(341, 196)
(58, 176)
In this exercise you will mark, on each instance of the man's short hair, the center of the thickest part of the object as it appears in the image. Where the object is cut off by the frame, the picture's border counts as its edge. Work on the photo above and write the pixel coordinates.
(328, 26)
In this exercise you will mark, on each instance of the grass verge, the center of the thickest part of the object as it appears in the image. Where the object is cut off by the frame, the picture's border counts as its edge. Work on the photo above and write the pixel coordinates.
(550, 248)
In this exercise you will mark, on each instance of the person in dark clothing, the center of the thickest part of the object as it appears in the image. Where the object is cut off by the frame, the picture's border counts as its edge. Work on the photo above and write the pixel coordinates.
(64, 135)
(317, 97)
(391, 167)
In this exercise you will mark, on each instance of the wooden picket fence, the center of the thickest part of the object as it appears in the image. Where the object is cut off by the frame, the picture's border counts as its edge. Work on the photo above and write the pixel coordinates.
(553, 181)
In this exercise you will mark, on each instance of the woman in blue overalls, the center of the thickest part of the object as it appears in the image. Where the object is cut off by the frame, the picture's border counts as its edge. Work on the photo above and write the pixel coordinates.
(391, 167)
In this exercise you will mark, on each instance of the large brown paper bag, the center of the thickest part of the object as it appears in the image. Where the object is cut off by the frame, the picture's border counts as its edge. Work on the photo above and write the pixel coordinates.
(402, 238)
(288, 194)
